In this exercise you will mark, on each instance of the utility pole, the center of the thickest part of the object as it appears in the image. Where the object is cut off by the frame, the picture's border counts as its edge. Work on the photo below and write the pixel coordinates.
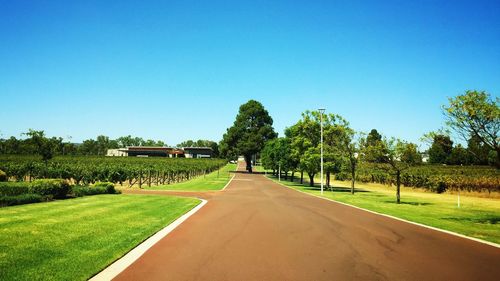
(321, 110)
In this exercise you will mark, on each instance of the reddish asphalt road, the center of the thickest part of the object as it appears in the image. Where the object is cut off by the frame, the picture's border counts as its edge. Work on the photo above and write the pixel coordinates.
(259, 230)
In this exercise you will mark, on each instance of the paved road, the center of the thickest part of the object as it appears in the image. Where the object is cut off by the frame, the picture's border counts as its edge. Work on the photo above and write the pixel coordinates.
(259, 230)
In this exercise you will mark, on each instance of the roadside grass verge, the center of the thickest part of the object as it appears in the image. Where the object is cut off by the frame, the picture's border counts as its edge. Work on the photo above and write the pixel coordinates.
(476, 217)
(75, 239)
(213, 181)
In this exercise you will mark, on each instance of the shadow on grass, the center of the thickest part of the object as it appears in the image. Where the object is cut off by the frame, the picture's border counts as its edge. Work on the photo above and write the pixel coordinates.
(335, 189)
(488, 219)
(409, 203)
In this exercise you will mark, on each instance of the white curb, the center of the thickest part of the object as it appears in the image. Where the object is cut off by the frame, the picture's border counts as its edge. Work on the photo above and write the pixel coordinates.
(121, 264)
(493, 244)
(228, 182)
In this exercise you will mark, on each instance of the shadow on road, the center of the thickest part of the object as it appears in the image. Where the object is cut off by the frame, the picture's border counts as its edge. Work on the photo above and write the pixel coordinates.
(245, 172)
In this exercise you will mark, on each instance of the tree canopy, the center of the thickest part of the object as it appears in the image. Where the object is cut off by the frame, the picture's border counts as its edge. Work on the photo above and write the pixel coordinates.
(475, 113)
(251, 129)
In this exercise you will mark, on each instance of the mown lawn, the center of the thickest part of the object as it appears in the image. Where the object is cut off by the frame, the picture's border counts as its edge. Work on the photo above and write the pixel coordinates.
(76, 238)
(213, 181)
(476, 217)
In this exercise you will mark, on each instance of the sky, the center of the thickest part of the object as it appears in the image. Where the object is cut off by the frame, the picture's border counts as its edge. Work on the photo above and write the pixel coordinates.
(178, 70)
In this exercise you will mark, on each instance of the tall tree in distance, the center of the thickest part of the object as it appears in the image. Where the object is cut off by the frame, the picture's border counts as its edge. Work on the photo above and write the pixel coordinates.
(373, 139)
(476, 114)
(440, 150)
(251, 129)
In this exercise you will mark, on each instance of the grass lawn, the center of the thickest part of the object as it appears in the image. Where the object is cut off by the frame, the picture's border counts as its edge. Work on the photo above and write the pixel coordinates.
(213, 181)
(76, 238)
(477, 217)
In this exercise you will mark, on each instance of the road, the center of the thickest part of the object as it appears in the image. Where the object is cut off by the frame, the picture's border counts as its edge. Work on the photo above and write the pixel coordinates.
(259, 230)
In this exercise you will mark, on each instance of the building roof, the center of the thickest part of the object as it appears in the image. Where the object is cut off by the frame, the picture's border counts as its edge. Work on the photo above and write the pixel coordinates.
(197, 148)
(148, 148)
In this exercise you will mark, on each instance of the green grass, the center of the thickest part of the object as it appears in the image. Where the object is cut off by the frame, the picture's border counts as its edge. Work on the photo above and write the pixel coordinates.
(76, 238)
(213, 181)
(477, 217)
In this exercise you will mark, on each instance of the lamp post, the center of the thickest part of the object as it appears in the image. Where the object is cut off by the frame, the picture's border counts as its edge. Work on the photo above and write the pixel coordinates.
(321, 110)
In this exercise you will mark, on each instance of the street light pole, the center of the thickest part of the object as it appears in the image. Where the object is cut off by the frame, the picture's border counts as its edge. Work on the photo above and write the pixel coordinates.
(321, 110)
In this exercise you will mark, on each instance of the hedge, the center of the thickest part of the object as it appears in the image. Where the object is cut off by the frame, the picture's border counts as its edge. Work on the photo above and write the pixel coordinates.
(55, 188)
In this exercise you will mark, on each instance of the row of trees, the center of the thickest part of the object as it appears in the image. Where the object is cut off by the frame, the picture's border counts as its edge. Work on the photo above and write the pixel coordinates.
(474, 115)
(443, 151)
(36, 142)
(299, 150)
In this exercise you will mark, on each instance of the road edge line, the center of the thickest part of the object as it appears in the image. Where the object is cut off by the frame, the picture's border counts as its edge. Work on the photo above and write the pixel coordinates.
(227, 184)
(129, 258)
(493, 244)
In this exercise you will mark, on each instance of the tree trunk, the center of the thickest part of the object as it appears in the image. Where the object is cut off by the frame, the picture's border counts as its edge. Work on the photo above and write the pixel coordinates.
(398, 186)
(291, 176)
(497, 164)
(328, 179)
(301, 177)
(311, 180)
(353, 179)
(248, 160)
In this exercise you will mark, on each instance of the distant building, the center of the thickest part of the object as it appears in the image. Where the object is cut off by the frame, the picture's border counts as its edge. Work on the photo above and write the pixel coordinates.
(198, 152)
(116, 152)
(157, 151)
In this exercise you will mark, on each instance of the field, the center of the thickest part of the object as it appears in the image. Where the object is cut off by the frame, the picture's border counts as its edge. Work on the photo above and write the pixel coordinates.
(476, 217)
(75, 239)
(121, 170)
(213, 181)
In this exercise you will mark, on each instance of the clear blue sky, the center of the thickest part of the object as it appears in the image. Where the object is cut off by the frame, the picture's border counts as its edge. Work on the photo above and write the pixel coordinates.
(176, 70)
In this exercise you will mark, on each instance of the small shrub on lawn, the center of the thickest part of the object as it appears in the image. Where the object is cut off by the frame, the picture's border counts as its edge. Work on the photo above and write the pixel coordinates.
(20, 199)
(80, 191)
(14, 188)
(3, 176)
(110, 187)
(55, 188)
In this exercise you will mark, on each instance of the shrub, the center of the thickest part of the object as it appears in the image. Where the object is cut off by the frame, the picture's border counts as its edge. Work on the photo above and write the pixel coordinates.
(110, 187)
(80, 191)
(20, 199)
(13, 188)
(3, 176)
(56, 188)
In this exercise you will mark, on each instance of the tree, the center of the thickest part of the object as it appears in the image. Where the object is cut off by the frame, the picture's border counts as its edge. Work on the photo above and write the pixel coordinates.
(130, 141)
(459, 156)
(102, 145)
(372, 140)
(341, 139)
(88, 147)
(44, 147)
(478, 151)
(202, 143)
(250, 131)
(476, 114)
(440, 150)
(305, 143)
(398, 156)
(276, 155)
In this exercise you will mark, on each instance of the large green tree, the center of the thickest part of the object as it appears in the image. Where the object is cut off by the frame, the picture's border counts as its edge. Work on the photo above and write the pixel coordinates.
(251, 129)
(476, 113)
